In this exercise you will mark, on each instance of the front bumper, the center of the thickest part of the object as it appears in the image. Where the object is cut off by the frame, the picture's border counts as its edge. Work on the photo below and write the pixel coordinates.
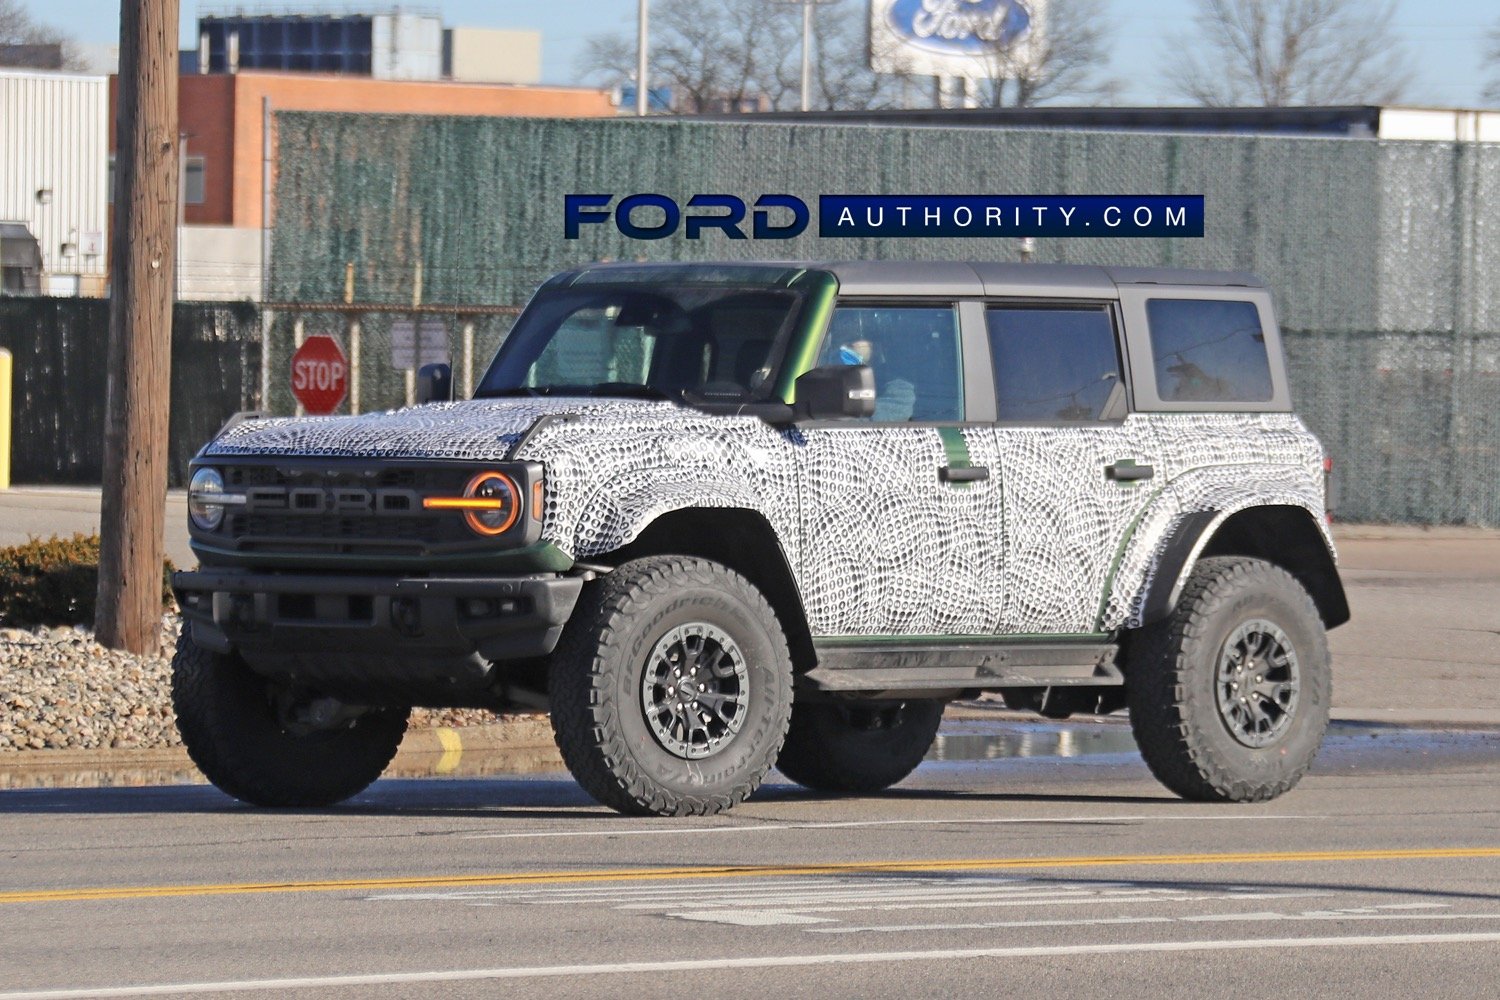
(418, 640)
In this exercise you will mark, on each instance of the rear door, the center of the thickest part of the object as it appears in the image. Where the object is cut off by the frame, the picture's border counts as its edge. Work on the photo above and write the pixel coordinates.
(1075, 466)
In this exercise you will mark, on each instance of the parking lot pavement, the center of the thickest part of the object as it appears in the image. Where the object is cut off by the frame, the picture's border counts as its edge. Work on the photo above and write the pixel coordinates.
(28, 512)
(1424, 642)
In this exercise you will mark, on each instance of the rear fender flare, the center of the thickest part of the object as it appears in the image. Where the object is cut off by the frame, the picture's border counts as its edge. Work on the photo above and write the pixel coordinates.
(1180, 524)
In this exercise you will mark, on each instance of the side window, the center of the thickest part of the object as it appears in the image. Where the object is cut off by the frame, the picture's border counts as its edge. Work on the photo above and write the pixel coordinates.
(914, 351)
(1208, 351)
(1053, 365)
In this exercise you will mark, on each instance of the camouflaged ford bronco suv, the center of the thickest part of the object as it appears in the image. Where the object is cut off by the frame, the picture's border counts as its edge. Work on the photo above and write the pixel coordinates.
(716, 518)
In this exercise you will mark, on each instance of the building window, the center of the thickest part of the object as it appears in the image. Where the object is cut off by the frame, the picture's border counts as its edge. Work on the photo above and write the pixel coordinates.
(193, 187)
(192, 181)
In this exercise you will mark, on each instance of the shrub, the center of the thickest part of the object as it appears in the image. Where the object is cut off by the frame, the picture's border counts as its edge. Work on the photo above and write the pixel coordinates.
(54, 581)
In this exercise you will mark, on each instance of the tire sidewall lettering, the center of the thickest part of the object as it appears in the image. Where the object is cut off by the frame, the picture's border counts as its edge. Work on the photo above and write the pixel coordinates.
(655, 617)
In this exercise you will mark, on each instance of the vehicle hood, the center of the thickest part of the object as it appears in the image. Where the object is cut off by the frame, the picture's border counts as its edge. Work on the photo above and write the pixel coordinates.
(479, 429)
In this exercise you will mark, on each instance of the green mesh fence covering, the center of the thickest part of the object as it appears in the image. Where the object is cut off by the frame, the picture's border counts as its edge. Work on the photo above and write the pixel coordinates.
(61, 382)
(1384, 257)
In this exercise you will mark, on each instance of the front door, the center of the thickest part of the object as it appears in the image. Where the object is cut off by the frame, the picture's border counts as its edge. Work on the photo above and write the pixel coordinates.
(900, 513)
(1076, 469)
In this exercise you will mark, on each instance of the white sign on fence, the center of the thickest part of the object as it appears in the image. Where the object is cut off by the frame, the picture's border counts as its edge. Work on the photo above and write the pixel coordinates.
(414, 345)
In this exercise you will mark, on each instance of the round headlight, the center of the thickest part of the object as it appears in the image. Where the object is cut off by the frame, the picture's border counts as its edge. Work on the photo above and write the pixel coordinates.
(503, 492)
(205, 506)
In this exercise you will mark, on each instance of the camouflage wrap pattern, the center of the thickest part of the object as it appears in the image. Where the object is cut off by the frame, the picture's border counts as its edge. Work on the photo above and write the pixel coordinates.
(879, 544)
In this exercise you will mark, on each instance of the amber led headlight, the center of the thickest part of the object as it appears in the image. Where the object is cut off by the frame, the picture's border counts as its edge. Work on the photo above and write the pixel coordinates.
(491, 503)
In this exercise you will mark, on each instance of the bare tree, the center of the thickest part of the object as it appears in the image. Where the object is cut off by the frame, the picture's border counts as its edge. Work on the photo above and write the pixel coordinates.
(1281, 52)
(18, 30)
(713, 55)
(841, 76)
(728, 53)
(1064, 57)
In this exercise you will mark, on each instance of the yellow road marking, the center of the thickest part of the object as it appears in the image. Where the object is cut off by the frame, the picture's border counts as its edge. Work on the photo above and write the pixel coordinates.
(453, 750)
(727, 871)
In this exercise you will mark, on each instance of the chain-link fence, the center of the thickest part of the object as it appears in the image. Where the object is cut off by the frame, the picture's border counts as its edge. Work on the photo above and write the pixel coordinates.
(61, 347)
(1384, 256)
(383, 348)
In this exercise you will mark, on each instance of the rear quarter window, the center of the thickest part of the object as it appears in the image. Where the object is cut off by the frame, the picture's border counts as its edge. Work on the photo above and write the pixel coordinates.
(1207, 350)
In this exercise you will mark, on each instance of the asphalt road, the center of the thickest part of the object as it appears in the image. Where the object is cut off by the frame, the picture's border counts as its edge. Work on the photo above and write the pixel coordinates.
(1065, 873)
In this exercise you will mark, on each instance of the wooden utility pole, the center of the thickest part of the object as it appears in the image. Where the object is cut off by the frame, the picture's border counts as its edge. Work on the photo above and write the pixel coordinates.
(140, 328)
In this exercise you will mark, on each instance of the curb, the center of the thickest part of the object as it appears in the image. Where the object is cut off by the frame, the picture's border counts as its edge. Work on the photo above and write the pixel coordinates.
(522, 744)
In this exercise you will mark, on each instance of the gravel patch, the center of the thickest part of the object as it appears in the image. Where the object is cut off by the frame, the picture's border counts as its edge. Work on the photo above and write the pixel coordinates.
(61, 690)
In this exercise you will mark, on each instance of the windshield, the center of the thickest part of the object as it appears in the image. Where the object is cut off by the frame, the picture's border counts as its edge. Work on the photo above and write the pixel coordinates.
(695, 343)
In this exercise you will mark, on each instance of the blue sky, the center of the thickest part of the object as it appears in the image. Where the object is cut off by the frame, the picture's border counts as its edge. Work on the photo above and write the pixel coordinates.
(1447, 40)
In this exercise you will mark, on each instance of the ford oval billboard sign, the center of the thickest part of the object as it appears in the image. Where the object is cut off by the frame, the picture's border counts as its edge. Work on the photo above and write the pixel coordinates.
(966, 38)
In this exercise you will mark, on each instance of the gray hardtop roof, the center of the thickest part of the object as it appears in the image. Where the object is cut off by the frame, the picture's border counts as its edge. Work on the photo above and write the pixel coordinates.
(952, 277)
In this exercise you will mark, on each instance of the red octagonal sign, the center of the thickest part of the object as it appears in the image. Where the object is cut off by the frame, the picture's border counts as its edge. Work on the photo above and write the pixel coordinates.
(320, 375)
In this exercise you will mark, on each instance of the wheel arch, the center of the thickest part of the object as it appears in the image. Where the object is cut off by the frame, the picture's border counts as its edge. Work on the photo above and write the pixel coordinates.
(742, 539)
(1285, 535)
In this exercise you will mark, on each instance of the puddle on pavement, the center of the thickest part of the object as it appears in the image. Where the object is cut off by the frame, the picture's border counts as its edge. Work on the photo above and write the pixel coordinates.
(1346, 743)
(980, 740)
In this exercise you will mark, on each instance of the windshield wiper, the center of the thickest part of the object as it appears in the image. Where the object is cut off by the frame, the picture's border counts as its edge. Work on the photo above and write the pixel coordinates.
(626, 389)
(630, 389)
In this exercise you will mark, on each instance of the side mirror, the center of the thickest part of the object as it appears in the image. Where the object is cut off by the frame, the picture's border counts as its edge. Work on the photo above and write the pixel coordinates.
(836, 391)
(434, 384)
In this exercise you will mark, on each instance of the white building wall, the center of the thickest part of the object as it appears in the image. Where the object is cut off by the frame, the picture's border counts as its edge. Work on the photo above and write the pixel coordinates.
(218, 263)
(406, 47)
(494, 55)
(54, 137)
(1440, 124)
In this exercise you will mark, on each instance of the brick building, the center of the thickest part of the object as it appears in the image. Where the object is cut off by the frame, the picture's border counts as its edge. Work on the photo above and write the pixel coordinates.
(223, 123)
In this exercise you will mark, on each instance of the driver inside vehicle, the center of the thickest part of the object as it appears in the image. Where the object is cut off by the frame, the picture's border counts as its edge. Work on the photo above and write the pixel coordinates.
(895, 397)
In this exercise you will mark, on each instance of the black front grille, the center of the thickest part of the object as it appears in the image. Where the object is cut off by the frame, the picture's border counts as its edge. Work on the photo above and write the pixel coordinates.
(300, 509)
(439, 526)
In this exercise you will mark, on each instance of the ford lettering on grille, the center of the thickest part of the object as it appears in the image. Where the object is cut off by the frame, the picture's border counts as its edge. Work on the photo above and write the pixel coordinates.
(333, 500)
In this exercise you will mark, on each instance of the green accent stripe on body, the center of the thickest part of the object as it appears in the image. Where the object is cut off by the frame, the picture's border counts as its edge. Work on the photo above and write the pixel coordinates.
(959, 640)
(956, 447)
(802, 351)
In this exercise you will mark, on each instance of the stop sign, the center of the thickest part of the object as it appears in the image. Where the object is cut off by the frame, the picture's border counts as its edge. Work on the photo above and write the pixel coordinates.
(320, 374)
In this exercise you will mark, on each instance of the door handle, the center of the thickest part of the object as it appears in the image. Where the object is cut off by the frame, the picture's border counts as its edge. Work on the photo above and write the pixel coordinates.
(963, 474)
(1126, 471)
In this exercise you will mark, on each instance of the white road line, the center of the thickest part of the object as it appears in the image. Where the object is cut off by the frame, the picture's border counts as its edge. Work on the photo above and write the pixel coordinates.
(765, 962)
(908, 900)
(993, 925)
(1203, 918)
(699, 831)
(728, 912)
(570, 894)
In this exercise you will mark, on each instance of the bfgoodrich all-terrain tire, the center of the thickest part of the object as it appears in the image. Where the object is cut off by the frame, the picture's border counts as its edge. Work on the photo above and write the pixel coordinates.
(857, 746)
(233, 731)
(1229, 695)
(671, 688)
